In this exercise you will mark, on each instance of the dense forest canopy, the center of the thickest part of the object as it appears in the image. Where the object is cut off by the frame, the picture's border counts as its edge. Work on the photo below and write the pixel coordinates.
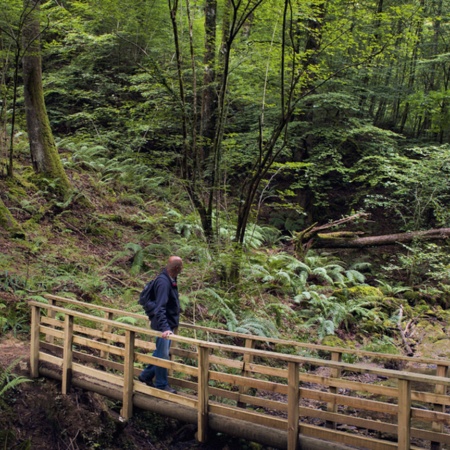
(277, 114)
(322, 108)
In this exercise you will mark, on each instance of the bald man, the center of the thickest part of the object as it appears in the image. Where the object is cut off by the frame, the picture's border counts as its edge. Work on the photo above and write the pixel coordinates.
(165, 318)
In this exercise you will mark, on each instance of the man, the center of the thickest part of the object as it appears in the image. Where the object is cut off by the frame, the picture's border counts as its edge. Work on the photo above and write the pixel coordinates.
(165, 318)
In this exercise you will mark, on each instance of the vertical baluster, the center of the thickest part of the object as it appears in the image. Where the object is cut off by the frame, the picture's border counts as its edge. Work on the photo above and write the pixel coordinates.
(127, 407)
(335, 373)
(203, 393)
(34, 344)
(247, 359)
(51, 315)
(404, 414)
(67, 354)
(293, 405)
(107, 328)
(441, 371)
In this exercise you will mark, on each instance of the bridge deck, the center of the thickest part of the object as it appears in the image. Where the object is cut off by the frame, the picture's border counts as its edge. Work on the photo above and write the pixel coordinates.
(280, 393)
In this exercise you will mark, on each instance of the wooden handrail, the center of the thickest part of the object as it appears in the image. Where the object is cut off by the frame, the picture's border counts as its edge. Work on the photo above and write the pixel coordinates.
(263, 339)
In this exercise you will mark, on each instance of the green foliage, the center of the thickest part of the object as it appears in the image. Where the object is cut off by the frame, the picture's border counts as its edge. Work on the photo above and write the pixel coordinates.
(413, 181)
(15, 318)
(383, 344)
(9, 381)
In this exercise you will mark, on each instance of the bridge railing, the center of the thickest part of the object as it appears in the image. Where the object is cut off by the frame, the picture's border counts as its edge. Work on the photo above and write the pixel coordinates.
(288, 395)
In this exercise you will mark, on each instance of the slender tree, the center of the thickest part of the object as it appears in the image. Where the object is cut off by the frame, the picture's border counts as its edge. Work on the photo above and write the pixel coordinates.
(44, 154)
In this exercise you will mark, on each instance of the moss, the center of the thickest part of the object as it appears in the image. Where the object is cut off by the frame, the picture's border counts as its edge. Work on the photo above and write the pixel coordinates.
(361, 292)
(334, 341)
(9, 223)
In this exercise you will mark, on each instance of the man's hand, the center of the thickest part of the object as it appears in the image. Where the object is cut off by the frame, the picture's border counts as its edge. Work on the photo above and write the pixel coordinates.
(166, 334)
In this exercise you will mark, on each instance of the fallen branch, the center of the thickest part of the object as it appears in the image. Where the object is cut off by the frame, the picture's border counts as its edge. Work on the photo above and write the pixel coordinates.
(408, 349)
(332, 240)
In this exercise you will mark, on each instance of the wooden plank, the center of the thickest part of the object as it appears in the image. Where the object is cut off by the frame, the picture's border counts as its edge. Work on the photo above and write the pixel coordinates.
(419, 396)
(99, 334)
(118, 351)
(340, 437)
(404, 414)
(227, 362)
(432, 436)
(179, 399)
(51, 332)
(354, 402)
(269, 371)
(430, 416)
(52, 322)
(345, 419)
(45, 357)
(203, 393)
(97, 374)
(261, 402)
(236, 380)
(127, 400)
(34, 341)
(67, 354)
(248, 416)
(174, 365)
(293, 404)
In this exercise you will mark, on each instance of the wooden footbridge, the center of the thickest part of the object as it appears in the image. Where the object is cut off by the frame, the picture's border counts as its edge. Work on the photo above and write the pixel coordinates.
(283, 394)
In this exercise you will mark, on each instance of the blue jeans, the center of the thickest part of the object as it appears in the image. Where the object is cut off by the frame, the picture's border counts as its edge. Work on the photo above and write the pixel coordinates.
(159, 373)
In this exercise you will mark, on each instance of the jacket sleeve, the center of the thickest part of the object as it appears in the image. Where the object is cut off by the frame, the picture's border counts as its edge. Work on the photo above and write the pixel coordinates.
(162, 292)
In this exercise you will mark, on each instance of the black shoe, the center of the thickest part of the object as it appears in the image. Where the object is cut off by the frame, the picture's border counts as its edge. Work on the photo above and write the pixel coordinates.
(168, 389)
(148, 383)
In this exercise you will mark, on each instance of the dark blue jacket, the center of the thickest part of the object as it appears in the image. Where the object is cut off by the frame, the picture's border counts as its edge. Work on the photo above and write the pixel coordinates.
(166, 312)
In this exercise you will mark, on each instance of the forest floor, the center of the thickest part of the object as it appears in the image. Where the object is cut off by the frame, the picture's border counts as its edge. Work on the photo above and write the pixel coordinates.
(82, 251)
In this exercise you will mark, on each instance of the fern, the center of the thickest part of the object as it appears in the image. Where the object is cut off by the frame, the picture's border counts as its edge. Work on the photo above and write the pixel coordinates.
(257, 326)
(9, 381)
(127, 320)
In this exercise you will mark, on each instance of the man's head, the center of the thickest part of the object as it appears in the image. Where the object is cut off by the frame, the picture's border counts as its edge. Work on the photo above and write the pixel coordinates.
(174, 266)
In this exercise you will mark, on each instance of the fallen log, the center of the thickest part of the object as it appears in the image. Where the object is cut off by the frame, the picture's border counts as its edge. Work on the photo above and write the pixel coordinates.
(337, 240)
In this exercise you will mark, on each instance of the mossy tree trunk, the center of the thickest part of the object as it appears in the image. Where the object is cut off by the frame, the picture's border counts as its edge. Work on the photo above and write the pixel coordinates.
(8, 222)
(44, 154)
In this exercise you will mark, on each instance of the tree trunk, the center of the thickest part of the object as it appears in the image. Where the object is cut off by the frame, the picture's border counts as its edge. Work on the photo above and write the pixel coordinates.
(8, 223)
(44, 154)
(339, 240)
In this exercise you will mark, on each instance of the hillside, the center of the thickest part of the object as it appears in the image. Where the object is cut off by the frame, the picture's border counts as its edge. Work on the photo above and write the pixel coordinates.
(109, 238)
(86, 250)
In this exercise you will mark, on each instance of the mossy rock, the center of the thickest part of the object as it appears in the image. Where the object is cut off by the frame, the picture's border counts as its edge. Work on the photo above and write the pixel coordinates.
(363, 291)
(429, 332)
(437, 349)
(334, 341)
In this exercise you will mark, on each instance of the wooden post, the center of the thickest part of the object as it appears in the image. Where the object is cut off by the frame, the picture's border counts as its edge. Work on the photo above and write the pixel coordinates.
(441, 371)
(247, 359)
(127, 406)
(107, 328)
(67, 354)
(335, 373)
(51, 315)
(293, 405)
(34, 344)
(203, 393)
(404, 414)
